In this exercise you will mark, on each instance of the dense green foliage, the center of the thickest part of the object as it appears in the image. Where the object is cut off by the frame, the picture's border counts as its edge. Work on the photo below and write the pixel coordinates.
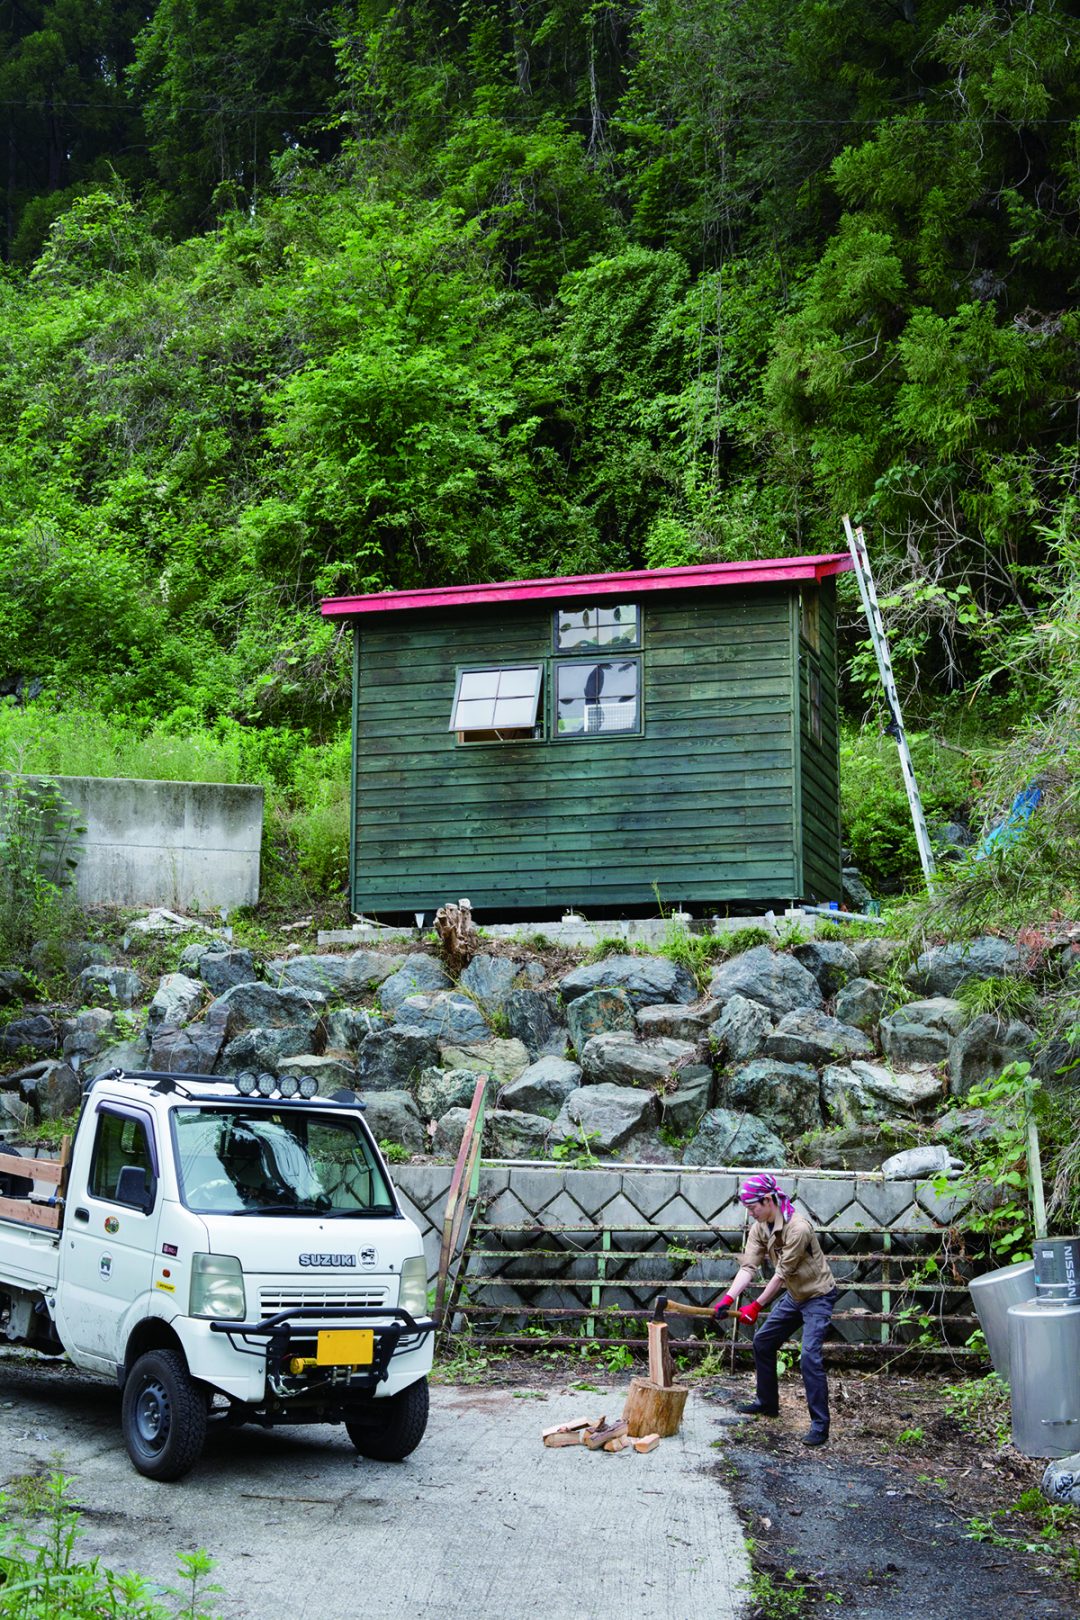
(383, 293)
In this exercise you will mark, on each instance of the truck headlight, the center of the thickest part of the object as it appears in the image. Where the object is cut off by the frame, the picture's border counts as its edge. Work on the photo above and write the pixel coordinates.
(217, 1286)
(413, 1296)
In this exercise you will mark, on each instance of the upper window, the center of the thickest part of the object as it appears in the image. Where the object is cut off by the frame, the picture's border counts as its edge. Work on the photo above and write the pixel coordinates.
(581, 629)
(497, 705)
(122, 1170)
(596, 699)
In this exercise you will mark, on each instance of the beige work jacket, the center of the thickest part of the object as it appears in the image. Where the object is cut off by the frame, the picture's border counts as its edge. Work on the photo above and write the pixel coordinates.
(794, 1254)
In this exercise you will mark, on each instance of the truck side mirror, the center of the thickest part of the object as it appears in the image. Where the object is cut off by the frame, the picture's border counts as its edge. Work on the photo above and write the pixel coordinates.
(132, 1188)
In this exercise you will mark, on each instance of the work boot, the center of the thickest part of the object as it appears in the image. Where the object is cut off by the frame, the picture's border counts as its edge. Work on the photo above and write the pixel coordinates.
(815, 1437)
(755, 1409)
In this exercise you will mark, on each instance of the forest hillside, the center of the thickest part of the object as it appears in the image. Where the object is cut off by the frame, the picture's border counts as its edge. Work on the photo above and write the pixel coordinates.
(301, 301)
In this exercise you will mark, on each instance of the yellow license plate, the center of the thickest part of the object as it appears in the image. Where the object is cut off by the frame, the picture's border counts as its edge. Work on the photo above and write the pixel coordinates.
(345, 1347)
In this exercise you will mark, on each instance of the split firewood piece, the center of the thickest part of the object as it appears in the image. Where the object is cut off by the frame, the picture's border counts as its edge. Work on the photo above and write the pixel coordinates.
(596, 1439)
(619, 1443)
(566, 1434)
(661, 1367)
(648, 1442)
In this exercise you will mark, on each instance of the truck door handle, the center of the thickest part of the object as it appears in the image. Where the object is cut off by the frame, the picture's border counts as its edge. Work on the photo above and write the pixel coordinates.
(81, 1214)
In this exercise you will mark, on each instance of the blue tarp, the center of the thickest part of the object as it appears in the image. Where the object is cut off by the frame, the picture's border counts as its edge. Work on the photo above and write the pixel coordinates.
(1008, 830)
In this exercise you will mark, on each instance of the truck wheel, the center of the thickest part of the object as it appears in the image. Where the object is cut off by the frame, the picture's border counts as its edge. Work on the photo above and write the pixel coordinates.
(397, 1425)
(164, 1415)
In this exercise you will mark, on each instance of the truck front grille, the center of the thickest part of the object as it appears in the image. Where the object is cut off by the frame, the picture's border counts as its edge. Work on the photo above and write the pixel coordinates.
(272, 1300)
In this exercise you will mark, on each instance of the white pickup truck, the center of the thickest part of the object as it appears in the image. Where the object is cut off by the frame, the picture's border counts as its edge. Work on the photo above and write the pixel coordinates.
(225, 1249)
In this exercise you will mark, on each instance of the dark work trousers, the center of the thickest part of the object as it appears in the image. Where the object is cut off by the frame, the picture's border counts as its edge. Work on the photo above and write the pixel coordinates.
(785, 1317)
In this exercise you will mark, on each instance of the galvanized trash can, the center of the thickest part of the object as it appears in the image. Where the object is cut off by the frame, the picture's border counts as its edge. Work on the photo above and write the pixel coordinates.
(1057, 1270)
(1044, 1355)
(991, 1295)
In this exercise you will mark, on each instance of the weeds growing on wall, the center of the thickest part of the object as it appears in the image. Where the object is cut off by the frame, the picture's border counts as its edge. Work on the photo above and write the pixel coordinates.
(39, 833)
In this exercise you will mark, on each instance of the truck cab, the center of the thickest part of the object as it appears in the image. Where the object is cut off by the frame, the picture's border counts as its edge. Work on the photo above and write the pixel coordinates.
(237, 1247)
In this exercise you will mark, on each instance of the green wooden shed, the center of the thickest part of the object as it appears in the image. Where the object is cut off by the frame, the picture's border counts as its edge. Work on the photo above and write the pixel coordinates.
(598, 742)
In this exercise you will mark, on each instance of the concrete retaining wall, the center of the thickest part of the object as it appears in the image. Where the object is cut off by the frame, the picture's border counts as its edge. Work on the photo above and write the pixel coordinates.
(185, 845)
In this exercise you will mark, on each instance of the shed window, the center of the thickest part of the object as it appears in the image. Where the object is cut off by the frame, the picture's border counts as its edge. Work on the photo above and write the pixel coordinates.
(497, 705)
(579, 629)
(596, 699)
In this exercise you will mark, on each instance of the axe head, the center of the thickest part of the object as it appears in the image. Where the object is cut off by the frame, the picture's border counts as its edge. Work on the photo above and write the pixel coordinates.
(659, 1308)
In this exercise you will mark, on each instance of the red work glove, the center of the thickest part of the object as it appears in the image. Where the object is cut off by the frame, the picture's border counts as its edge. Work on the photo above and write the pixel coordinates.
(723, 1304)
(749, 1313)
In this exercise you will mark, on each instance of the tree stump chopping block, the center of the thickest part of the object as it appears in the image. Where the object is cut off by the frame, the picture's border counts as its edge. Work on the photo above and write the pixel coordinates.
(651, 1409)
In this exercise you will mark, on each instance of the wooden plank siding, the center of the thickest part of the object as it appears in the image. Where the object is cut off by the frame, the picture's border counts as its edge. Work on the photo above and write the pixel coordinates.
(701, 807)
(819, 766)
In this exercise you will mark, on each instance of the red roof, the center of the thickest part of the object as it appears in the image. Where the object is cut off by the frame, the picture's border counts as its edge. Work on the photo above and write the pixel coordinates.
(767, 571)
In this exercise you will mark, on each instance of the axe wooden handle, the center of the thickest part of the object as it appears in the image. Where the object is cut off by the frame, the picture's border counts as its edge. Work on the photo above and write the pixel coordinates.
(673, 1308)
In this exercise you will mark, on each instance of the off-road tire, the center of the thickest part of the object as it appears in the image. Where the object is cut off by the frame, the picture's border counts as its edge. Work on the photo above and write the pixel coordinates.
(401, 1421)
(164, 1416)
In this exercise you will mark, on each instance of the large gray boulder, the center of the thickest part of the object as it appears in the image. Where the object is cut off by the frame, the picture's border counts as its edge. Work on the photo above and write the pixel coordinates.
(920, 1032)
(57, 1091)
(535, 1018)
(683, 1109)
(394, 1117)
(620, 1060)
(646, 979)
(542, 1088)
(985, 1047)
(195, 1048)
(268, 1048)
(257, 1005)
(501, 1060)
(445, 1014)
(390, 1059)
(598, 1012)
(16, 985)
(334, 977)
(968, 1125)
(875, 955)
(85, 1035)
(416, 975)
(348, 1027)
(813, 1037)
(943, 969)
(102, 986)
(786, 1096)
(439, 1090)
(175, 1001)
(855, 1147)
(489, 980)
(772, 978)
(860, 1092)
(676, 1022)
(832, 963)
(604, 1117)
(860, 1002)
(728, 1138)
(510, 1133)
(36, 1033)
(131, 1054)
(220, 970)
(739, 1033)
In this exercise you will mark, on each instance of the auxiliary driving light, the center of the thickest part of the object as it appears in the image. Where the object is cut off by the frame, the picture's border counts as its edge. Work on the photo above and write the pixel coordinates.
(245, 1083)
(309, 1086)
(288, 1085)
(267, 1084)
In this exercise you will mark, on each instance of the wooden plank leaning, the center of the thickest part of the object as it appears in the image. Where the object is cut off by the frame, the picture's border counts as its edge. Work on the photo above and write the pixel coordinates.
(464, 1185)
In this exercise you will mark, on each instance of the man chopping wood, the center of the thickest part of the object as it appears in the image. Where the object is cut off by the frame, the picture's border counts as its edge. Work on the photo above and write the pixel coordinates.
(807, 1294)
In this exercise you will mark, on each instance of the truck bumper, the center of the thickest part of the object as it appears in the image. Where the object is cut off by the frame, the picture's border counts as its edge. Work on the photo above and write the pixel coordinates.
(276, 1360)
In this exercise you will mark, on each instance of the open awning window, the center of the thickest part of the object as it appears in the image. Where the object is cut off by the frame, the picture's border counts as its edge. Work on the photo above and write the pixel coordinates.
(499, 704)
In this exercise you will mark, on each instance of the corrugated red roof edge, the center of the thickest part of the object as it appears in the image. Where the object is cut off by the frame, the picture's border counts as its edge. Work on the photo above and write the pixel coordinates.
(767, 571)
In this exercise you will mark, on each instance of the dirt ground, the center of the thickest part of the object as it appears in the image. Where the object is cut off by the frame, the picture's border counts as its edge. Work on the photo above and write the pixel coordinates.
(905, 1515)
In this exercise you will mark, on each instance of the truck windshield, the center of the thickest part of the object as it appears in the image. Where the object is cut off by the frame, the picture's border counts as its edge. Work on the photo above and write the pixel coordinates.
(248, 1161)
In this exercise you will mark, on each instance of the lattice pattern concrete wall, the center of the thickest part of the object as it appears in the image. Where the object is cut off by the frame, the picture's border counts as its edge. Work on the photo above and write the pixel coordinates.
(652, 1212)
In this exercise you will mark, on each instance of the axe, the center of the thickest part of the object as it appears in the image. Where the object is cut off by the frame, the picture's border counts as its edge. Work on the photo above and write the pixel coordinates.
(671, 1307)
